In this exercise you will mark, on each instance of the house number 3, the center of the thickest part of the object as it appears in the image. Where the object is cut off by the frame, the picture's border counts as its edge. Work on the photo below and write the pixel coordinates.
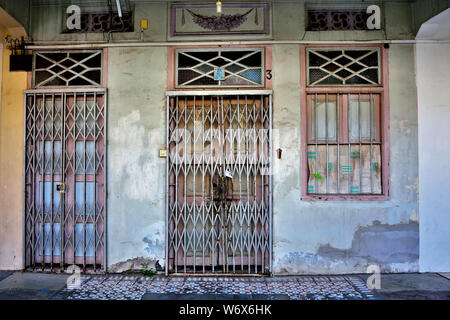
(269, 74)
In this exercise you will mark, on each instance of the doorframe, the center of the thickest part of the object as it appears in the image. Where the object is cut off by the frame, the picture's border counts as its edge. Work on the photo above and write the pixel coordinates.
(101, 90)
(177, 93)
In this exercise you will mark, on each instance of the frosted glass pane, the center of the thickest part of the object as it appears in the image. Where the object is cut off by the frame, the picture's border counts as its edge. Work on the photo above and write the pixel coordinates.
(359, 119)
(45, 195)
(79, 198)
(89, 156)
(45, 242)
(323, 115)
(46, 158)
(79, 239)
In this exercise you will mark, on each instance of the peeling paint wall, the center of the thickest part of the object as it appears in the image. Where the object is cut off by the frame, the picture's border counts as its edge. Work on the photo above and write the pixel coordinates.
(309, 237)
(306, 233)
(136, 174)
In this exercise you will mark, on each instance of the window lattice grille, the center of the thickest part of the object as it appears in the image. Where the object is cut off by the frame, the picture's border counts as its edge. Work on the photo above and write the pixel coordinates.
(322, 20)
(105, 22)
(334, 67)
(66, 69)
(241, 68)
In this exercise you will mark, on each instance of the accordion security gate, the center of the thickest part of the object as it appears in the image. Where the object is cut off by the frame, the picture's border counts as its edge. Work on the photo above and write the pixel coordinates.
(65, 179)
(219, 182)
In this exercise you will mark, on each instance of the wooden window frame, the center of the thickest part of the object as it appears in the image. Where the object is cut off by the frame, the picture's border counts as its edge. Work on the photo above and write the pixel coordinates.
(220, 51)
(171, 67)
(382, 90)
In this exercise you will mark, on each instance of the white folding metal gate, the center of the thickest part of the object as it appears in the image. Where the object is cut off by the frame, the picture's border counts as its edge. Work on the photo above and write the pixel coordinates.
(219, 182)
(65, 178)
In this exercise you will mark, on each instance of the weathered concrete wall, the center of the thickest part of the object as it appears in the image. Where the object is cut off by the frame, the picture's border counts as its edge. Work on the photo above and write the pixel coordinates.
(309, 237)
(433, 83)
(288, 23)
(343, 237)
(11, 163)
(136, 174)
(48, 23)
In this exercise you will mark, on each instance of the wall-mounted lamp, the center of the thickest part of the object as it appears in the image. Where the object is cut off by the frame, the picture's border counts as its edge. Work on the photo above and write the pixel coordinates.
(219, 6)
(19, 60)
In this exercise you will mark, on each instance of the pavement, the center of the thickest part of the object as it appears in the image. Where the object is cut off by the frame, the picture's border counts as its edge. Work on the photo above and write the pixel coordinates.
(17, 285)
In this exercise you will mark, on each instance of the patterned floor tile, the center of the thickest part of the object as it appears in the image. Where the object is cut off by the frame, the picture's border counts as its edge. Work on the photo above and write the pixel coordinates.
(296, 288)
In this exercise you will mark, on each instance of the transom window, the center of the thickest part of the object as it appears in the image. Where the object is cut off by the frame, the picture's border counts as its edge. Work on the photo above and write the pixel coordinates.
(342, 67)
(104, 22)
(67, 69)
(199, 68)
(324, 20)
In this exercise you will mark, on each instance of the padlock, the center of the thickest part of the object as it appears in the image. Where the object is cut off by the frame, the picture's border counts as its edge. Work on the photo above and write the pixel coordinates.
(61, 188)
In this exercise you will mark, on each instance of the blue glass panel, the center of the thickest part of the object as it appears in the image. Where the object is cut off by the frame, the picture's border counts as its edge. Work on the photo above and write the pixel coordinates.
(79, 239)
(79, 198)
(48, 196)
(90, 157)
(45, 242)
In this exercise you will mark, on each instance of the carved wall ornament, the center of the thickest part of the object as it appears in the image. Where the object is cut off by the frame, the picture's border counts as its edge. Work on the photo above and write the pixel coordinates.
(221, 22)
(238, 18)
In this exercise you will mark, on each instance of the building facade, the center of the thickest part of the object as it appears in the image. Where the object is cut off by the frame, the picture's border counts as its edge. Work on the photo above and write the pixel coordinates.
(280, 137)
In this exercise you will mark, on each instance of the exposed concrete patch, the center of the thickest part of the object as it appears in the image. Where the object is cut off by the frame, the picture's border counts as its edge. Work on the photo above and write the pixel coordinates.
(395, 248)
(154, 247)
(131, 158)
(381, 243)
(310, 263)
(134, 264)
(136, 174)
(154, 241)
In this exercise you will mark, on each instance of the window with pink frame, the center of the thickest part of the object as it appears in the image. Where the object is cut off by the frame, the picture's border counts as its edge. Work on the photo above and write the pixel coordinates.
(345, 138)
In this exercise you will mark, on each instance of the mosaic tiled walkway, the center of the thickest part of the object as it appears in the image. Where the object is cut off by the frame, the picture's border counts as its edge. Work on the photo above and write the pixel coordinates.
(296, 288)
